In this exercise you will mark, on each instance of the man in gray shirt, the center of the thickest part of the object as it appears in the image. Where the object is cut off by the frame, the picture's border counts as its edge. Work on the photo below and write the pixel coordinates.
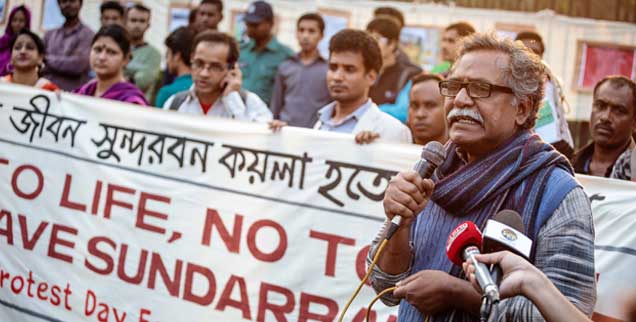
(300, 88)
(68, 48)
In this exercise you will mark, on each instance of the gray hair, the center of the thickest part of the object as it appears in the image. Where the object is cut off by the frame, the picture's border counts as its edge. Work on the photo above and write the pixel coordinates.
(525, 73)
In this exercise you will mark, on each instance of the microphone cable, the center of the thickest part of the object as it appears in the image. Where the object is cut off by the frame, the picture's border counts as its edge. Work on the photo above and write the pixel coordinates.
(364, 279)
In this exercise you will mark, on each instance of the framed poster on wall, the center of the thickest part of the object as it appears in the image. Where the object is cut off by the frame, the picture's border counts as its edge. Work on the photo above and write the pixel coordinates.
(595, 60)
(335, 20)
(3, 11)
(422, 44)
(179, 15)
(239, 30)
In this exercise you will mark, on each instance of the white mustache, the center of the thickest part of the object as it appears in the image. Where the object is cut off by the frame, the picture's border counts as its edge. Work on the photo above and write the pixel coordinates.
(456, 113)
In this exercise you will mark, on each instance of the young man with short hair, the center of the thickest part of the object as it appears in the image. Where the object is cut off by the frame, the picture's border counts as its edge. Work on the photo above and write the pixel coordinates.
(144, 67)
(300, 88)
(451, 36)
(354, 63)
(217, 83)
(178, 52)
(111, 12)
(208, 15)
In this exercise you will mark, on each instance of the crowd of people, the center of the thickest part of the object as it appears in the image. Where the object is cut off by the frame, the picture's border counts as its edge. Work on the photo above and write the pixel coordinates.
(367, 86)
(481, 101)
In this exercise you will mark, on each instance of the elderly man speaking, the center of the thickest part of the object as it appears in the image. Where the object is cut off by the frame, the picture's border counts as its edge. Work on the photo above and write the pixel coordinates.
(494, 162)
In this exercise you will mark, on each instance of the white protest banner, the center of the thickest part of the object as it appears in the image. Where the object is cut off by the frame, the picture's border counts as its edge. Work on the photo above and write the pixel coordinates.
(614, 211)
(111, 212)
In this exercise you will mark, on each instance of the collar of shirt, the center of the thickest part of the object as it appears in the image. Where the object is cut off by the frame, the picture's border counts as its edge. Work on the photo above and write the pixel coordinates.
(296, 58)
(193, 97)
(272, 45)
(325, 114)
(69, 31)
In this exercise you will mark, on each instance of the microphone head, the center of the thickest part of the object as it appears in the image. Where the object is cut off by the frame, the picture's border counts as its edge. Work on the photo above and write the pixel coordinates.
(505, 231)
(434, 152)
(510, 218)
(464, 235)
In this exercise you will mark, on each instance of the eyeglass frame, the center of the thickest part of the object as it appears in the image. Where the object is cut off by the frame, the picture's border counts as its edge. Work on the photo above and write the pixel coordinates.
(208, 66)
(491, 87)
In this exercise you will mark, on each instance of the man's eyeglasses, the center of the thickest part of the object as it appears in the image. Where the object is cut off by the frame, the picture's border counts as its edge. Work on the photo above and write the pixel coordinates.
(474, 89)
(198, 64)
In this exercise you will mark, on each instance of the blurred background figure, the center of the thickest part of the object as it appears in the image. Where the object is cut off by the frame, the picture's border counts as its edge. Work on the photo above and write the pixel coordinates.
(217, 88)
(143, 70)
(27, 59)
(110, 52)
(395, 74)
(207, 15)
(426, 114)
(398, 17)
(300, 88)
(451, 36)
(68, 48)
(554, 99)
(178, 51)
(19, 18)
(355, 60)
(612, 121)
(261, 55)
(112, 12)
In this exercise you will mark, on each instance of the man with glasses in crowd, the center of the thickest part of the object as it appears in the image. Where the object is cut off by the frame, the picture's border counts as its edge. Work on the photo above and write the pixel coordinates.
(217, 83)
(494, 162)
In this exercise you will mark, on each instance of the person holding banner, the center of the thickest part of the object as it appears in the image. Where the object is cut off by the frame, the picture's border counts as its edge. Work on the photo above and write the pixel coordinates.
(493, 162)
(27, 58)
(355, 60)
(110, 52)
(217, 83)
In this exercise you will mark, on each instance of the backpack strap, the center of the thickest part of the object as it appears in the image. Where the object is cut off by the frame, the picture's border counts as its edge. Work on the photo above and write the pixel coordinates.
(179, 98)
(243, 94)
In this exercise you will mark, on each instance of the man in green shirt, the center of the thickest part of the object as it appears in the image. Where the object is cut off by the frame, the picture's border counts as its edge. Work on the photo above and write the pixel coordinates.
(143, 69)
(261, 55)
(451, 36)
(178, 53)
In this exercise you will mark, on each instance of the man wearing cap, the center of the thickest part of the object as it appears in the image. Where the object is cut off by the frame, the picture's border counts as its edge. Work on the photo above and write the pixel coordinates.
(261, 55)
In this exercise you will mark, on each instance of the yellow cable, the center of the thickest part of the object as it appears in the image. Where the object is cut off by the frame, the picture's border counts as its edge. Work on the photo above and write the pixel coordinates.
(390, 289)
(364, 279)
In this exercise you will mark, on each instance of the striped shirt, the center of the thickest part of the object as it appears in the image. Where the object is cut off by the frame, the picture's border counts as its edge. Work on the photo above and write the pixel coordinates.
(564, 252)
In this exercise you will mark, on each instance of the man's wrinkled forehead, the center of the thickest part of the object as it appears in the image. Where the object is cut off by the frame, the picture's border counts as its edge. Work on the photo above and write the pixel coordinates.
(487, 65)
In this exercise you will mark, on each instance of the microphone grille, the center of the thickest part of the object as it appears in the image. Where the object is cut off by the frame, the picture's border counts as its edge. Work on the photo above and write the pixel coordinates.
(434, 152)
(510, 218)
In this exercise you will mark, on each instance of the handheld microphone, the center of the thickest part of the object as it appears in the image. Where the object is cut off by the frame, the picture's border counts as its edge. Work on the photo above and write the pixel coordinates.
(433, 154)
(464, 243)
(505, 231)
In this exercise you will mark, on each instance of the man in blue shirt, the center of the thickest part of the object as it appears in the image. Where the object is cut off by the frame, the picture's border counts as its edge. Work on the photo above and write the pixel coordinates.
(261, 56)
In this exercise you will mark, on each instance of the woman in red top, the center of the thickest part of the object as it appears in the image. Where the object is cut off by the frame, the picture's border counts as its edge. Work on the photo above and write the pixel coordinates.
(27, 60)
